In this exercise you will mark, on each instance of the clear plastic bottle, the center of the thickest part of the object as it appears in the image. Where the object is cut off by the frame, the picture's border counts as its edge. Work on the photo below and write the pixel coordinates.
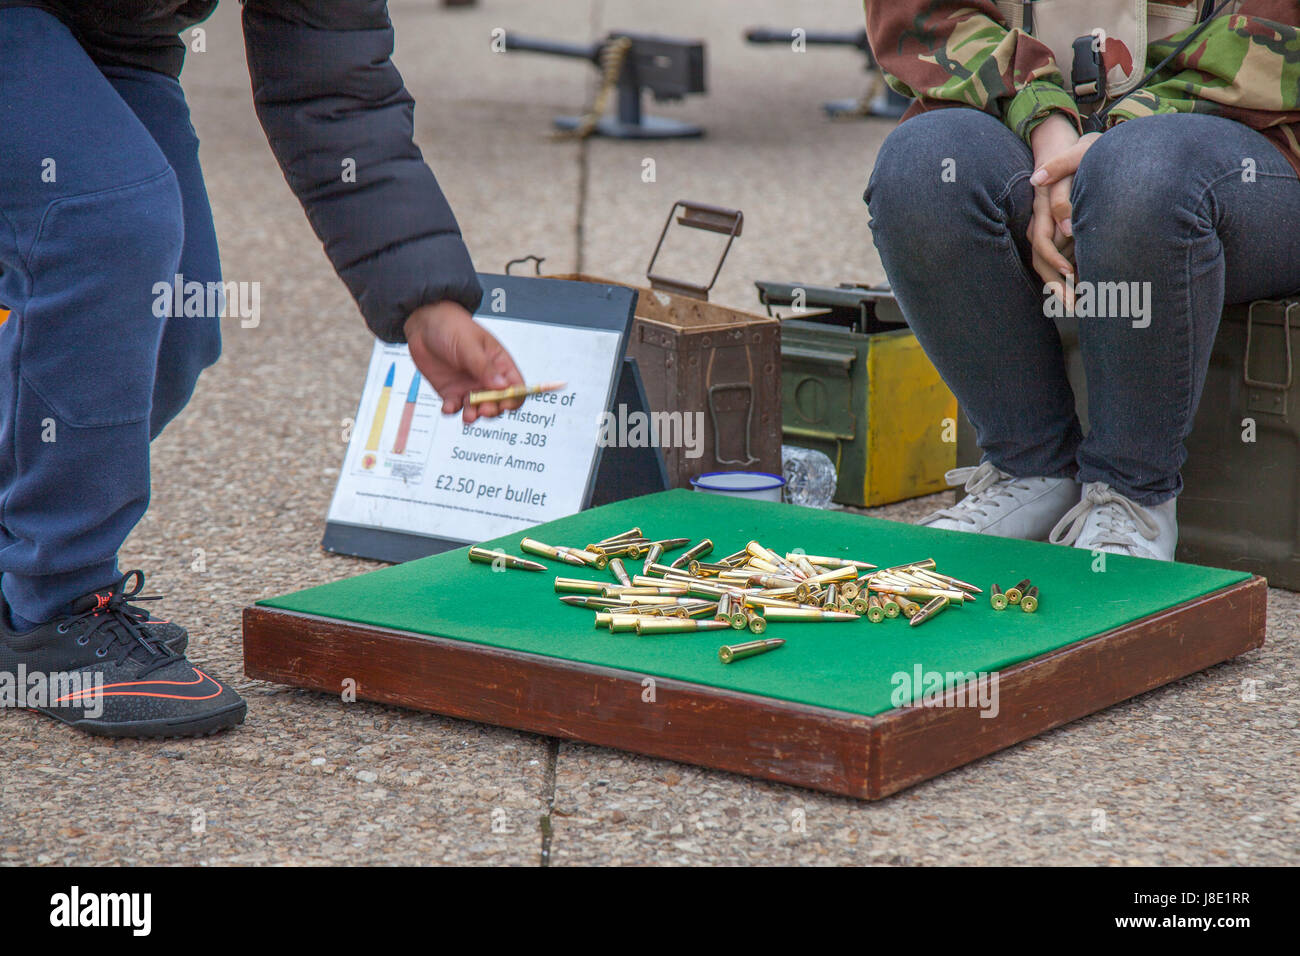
(809, 477)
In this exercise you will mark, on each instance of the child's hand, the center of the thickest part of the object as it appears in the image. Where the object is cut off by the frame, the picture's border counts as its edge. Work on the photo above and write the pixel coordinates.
(458, 356)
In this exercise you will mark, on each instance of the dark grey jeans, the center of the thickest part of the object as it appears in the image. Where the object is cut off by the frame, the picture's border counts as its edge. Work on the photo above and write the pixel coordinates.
(1203, 210)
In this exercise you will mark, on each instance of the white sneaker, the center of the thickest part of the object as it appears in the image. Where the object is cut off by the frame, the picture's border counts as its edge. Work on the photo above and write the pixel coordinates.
(1104, 520)
(1001, 505)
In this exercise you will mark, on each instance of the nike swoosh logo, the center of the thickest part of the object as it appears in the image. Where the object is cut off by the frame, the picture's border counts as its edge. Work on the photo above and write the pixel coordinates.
(202, 687)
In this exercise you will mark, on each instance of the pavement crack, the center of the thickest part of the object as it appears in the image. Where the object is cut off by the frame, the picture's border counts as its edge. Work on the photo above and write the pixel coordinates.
(545, 823)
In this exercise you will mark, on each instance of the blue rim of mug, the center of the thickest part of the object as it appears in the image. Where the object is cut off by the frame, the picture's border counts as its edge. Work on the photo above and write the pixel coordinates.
(777, 481)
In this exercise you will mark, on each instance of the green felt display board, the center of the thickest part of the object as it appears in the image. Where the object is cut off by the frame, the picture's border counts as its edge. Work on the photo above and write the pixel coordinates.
(843, 666)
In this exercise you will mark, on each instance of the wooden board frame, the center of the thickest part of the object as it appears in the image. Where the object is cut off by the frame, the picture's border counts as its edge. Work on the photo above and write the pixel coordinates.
(818, 748)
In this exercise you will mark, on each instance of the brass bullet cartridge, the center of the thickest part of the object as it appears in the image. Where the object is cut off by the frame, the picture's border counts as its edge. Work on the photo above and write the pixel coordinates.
(831, 596)
(770, 581)
(922, 565)
(735, 558)
(914, 591)
(597, 561)
(593, 603)
(739, 577)
(909, 608)
(997, 598)
(532, 546)
(699, 550)
(651, 581)
(481, 555)
(651, 625)
(767, 600)
(802, 564)
(1029, 600)
(652, 555)
(629, 549)
(875, 609)
(700, 589)
(860, 606)
(724, 608)
(934, 608)
(511, 392)
(667, 544)
(737, 652)
(579, 586)
(738, 619)
(828, 562)
(757, 623)
(945, 581)
(950, 580)
(804, 615)
(836, 574)
(621, 623)
(704, 569)
(850, 589)
(659, 590)
(1015, 593)
(890, 605)
(621, 536)
(758, 551)
(661, 569)
(619, 571)
(605, 618)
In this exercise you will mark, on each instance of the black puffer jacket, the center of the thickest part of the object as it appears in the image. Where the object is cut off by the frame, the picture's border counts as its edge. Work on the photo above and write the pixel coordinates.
(326, 92)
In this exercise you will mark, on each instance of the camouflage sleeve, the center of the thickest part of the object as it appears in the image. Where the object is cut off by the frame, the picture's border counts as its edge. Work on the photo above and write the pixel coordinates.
(950, 52)
(1244, 67)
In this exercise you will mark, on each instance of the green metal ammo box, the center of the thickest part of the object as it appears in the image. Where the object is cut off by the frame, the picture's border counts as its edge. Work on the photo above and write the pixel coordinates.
(857, 386)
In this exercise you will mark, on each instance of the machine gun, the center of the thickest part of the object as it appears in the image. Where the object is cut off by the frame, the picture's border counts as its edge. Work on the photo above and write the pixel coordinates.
(879, 100)
(630, 63)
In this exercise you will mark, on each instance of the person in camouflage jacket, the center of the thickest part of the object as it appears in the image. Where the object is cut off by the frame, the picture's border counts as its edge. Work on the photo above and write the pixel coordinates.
(1000, 207)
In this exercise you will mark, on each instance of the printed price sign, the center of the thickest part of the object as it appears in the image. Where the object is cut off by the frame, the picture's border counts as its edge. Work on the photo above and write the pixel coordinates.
(415, 481)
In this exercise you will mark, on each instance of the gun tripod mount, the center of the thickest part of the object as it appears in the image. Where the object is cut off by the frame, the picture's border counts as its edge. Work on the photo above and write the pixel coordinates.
(630, 63)
(879, 100)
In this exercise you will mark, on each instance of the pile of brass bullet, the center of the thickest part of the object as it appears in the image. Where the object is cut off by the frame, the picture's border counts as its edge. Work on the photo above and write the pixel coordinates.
(747, 590)
(1025, 594)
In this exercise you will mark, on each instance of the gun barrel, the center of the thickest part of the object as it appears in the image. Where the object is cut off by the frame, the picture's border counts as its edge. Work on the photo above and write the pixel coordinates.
(856, 39)
(579, 51)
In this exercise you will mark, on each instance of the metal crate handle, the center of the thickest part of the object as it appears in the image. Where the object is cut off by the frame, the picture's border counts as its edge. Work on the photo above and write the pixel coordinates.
(535, 260)
(746, 387)
(728, 222)
(1286, 337)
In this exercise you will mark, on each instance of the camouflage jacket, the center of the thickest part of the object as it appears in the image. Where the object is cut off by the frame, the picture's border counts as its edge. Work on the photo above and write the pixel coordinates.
(1244, 66)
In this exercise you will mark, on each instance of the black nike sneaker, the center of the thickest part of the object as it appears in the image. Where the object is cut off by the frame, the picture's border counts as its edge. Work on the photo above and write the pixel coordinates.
(169, 633)
(105, 669)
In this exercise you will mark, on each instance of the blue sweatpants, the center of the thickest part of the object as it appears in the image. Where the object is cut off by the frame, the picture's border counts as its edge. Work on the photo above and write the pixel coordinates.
(101, 199)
